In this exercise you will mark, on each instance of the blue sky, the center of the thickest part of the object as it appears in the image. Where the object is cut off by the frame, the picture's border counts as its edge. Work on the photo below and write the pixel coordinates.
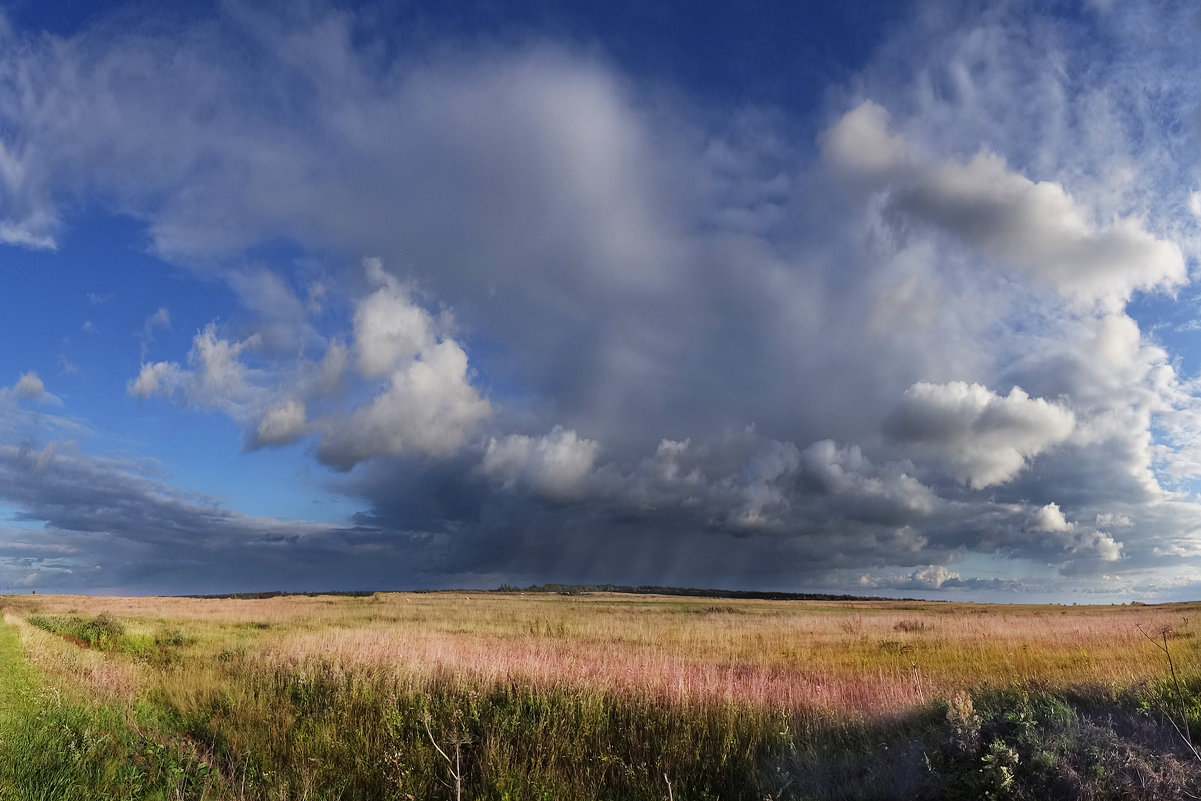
(891, 298)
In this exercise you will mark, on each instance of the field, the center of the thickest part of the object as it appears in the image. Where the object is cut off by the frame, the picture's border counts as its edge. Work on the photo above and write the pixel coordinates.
(541, 696)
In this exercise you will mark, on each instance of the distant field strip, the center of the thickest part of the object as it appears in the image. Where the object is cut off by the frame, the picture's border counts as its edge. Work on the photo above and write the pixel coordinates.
(835, 657)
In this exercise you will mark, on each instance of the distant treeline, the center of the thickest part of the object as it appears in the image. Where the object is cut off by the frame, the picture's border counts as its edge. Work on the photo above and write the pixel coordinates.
(580, 589)
(694, 592)
(258, 596)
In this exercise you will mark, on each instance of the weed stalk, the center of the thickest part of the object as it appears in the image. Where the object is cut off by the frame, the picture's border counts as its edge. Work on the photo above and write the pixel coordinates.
(456, 771)
(1185, 734)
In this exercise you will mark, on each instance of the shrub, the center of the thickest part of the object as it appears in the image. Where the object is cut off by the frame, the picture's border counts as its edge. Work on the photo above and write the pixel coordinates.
(910, 625)
(964, 724)
(104, 631)
(1000, 770)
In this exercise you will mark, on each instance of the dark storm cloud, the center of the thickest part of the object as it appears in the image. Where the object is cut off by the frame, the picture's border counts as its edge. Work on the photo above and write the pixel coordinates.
(89, 523)
(66, 489)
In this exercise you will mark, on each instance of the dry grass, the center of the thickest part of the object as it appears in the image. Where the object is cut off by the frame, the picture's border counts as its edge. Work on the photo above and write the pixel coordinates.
(866, 658)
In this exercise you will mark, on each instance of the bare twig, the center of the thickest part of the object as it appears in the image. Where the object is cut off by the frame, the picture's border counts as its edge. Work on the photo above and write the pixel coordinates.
(1176, 683)
(456, 771)
(917, 679)
(670, 797)
(1185, 735)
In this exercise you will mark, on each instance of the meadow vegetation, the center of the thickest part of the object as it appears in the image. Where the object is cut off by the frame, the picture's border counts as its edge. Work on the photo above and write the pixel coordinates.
(539, 696)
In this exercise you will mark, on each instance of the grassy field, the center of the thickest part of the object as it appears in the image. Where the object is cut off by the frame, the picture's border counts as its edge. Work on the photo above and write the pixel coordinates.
(539, 696)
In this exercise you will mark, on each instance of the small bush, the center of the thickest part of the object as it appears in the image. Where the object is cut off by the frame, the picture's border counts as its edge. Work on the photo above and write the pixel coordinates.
(103, 632)
(173, 639)
(964, 724)
(911, 626)
(1000, 770)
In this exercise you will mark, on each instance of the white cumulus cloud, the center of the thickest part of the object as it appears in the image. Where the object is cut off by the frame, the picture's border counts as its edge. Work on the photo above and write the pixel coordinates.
(1049, 518)
(979, 437)
(429, 406)
(555, 465)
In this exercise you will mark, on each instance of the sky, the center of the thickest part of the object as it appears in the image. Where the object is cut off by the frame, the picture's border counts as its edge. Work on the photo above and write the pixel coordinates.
(885, 298)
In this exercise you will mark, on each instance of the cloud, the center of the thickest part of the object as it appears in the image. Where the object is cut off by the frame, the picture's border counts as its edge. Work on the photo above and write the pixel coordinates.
(421, 395)
(67, 489)
(108, 525)
(554, 466)
(1035, 229)
(979, 437)
(1111, 519)
(29, 386)
(685, 343)
(583, 326)
(780, 487)
(215, 378)
(1049, 518)
(388, 328)
(429, 405)
(933, 577)
(1098, 544)
(160, 319)
(1074, 539)
(744, 496)
(859, 146)
(938, 578)
(283, 424)
(21, 422)
(930, 577)
(280, 319)
(152, 378)
(1041, 230)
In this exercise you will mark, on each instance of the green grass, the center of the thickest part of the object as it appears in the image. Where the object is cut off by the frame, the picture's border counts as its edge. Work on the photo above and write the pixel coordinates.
(17, 684)
(55, 751)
